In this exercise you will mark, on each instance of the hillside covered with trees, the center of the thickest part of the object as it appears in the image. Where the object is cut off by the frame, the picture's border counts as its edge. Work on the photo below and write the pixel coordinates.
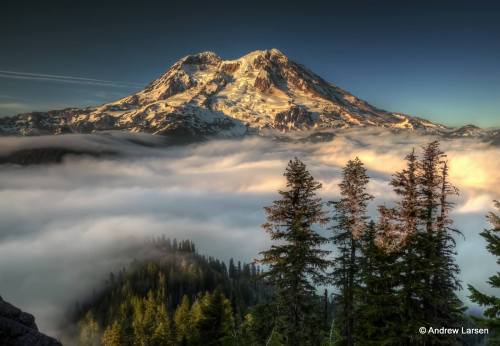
(163, 298)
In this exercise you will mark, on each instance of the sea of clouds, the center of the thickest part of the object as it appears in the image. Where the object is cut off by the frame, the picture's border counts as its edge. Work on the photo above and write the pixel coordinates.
(64, 227)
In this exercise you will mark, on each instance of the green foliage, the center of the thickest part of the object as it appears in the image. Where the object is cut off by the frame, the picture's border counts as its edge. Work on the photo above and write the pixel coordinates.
(212, 320)
(149, 303)
(259, 324)
(163, 333)
(113, 335)
(296, 262)
(183, 322)
(350, 226)
(400, 274)
(378, 315)
(436, 246)
(491, 318)
(415, 241)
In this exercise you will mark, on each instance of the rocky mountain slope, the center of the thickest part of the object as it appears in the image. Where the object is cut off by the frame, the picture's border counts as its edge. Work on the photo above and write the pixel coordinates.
(203, 95)
(18, 328)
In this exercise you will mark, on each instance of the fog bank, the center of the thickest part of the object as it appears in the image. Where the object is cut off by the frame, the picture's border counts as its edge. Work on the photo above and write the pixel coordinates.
(64, 227)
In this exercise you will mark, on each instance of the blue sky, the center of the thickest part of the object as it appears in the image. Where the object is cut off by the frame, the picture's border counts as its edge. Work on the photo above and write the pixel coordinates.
(439, 60)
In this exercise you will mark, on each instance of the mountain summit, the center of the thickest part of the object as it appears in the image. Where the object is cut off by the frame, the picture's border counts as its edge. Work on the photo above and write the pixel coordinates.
(203, 95)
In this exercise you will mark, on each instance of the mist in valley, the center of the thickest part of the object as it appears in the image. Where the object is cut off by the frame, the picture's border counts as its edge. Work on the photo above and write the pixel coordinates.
(64, 227)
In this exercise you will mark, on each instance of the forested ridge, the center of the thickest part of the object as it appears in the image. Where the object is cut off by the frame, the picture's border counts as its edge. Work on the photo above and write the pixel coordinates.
(141, 305)
(360, 281)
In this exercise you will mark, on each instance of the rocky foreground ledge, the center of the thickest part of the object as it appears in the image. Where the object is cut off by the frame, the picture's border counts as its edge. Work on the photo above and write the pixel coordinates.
(18, 328)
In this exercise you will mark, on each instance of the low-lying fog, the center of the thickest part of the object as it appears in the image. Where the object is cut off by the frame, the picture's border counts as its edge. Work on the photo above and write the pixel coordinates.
(63, 227)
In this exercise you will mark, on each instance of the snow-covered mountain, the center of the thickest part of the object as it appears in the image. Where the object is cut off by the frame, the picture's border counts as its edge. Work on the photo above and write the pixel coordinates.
(203, 95)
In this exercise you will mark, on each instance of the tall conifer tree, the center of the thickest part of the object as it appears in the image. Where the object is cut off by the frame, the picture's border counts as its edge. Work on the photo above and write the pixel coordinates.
(411, 271)
(378, 316)
(427, 269)
(183, 321)
(296, 261)
(113, 335)
(448, 309)
(350, 225)
(437, 245)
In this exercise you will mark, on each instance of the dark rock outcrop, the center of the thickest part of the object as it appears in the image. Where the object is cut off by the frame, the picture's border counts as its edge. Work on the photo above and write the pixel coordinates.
(18, 328)
(295, 118)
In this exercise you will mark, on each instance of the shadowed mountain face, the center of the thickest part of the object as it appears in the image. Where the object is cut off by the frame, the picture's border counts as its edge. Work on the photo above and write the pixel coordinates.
(203, 95)
(18, 328)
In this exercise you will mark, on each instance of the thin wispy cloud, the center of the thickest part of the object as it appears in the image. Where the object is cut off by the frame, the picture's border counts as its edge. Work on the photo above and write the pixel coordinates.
(66, 79)
(12, 105)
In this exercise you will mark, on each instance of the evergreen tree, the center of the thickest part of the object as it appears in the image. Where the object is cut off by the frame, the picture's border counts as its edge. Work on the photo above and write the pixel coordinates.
(411, 265)
(259, 325)
(140, 323)
(182, 320)
(441, 306)
(426, 266)
(90, 332)
(163, 334)
(447, 307)
(491, 318)
(232, 269)
(407, 209)
(429, 194)
(378, 315)
(113, 335)
(430, 184)
(296, 262)
(214, 324)
(196, 315)
(350, 225)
